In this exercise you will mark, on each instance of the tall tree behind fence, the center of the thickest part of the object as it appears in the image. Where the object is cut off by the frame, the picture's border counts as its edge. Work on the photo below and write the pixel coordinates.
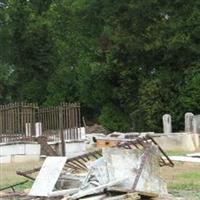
(17, 121)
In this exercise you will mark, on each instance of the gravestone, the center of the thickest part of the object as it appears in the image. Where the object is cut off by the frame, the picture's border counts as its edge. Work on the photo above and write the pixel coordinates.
(189, 122)
(28, 129)
(196, 124)
(167, 123)
(38, 129)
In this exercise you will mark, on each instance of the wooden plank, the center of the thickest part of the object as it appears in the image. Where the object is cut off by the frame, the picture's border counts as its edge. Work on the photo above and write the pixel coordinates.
(147, 194)
(118, 189)
(63, 192)
(197, 155)
(95, 197)
(48, 176)
(83, 193)
(130, 196)
(185, 159)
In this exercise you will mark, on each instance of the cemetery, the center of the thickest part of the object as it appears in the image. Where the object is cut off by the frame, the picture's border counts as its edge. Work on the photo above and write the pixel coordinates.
(70, 157)
(99, 99)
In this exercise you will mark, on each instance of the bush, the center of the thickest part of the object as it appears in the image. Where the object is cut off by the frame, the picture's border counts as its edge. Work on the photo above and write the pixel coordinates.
(113, 119)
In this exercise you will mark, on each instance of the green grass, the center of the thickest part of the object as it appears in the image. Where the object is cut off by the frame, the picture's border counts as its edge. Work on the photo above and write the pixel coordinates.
(176, 153)
(188, 195)
(192, 175)
(186, 181)
(184, 186)
(8, 174)
(20, 187)
(24, 186)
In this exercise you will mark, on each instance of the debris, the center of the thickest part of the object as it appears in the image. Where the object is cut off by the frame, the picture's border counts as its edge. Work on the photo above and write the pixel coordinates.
(47, 177)
(63, 192)
(46, 149)
(129, 196)
(141, 143)
(77, 163)
(96, 129)
(95, 197)
(96, 190)
(128, 170)
(196, 155)
(185, 159)
(13, 186)
(26, 173)
(4, 195)
(142, 167)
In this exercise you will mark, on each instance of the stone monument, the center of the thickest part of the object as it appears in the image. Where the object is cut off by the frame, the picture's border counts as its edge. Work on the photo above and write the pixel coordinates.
(189, 117)
(167, 123)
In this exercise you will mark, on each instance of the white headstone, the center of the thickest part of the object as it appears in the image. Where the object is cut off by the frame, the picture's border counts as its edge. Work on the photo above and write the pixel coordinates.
(196, 124)
(81, 133)
(28, 129)
(167, 123)
(189, 122)
(38, 129)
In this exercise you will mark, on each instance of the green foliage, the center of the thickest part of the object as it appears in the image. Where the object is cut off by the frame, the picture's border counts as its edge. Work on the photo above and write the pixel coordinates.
(113, 119)
(190, 91)
(140, 58)
(6, 82)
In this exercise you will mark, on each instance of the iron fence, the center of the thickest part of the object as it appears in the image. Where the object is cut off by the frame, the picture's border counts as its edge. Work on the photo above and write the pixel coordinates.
(13, 120)
(66, 118)
(17, 121)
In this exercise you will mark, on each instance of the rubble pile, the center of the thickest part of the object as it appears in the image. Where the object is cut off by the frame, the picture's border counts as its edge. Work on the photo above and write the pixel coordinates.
(129, 170)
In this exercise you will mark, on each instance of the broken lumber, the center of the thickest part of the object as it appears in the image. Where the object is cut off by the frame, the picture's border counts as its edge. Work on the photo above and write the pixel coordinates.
(185, 159)
(98, 189)
(63, 192)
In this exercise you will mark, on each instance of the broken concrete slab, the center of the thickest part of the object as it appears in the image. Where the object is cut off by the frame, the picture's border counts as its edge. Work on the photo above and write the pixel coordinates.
(121, 162)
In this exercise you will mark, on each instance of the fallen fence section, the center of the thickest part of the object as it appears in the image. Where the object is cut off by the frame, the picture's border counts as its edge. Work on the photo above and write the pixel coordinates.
(143, 142)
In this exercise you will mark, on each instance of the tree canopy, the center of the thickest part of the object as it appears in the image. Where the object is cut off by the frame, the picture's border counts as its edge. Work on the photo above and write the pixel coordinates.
(127, 62)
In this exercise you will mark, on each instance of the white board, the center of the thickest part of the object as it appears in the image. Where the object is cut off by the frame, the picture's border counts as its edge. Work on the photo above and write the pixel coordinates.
(194, 155)
(48, 176)
(185, 159)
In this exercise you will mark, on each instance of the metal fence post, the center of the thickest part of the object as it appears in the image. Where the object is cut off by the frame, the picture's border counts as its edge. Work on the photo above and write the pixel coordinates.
(61, 130)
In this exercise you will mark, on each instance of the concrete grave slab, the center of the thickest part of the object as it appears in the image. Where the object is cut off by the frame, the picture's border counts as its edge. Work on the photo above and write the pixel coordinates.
(48, 176)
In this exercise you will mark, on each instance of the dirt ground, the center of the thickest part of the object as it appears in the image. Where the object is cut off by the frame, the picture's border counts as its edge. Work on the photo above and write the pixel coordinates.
(183, 180)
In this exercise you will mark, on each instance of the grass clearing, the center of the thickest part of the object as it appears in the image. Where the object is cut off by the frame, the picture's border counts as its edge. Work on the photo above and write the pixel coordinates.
(8, 174)
(183, 180)
(191, 175)
(176, 153)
